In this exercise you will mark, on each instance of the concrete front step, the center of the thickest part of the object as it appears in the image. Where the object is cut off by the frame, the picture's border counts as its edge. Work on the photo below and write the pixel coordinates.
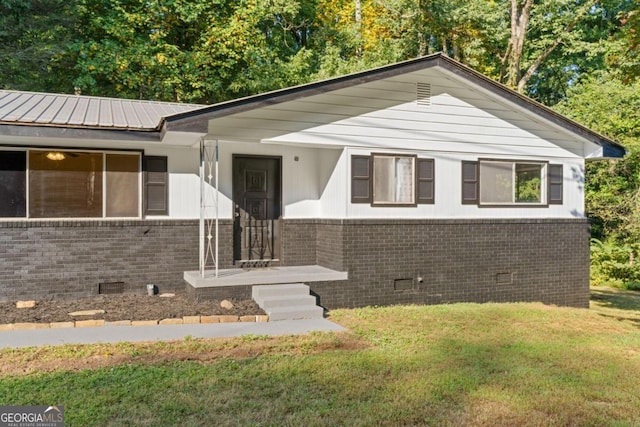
(295, 313)
(265, 291)
(287, 301)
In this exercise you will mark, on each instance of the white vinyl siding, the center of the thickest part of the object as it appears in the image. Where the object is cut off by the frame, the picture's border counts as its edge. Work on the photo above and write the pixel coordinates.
(384, 114)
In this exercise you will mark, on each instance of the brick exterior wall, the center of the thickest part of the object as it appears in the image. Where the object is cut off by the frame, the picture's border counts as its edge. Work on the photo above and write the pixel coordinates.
(456, 260)
(298, 242)
(433, 261)
(68, 259)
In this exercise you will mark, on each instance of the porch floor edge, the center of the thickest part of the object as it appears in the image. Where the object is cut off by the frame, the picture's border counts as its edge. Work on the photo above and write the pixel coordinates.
(264, 276)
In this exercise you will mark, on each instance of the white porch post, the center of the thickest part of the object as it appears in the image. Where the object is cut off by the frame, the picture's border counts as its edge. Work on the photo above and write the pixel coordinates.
(217, 213)
(208, 178)
(201, 241)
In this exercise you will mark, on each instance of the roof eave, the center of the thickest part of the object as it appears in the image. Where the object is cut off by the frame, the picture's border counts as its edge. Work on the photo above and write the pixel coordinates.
(197, 120)
(610, 147)
(38, 131)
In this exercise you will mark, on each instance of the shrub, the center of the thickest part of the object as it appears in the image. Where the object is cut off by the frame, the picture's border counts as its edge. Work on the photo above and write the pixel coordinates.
(614, 264)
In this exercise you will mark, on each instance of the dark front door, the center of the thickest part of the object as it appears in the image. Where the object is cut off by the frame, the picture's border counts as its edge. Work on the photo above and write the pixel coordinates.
(256, 200)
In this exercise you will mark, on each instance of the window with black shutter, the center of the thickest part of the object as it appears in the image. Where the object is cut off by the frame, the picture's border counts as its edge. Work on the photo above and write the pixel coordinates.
(156, 185)
(392, 180)
(498, 182)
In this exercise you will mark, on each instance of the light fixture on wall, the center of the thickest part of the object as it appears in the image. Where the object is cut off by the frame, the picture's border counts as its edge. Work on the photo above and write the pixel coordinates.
(55, 155)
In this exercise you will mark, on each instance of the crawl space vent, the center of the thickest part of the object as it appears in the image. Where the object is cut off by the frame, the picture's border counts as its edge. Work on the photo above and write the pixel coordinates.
(423, 94)
(109, 288)
(402, 284)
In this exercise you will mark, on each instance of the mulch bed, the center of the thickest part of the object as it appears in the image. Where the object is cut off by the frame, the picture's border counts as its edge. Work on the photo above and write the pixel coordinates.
(122, 307)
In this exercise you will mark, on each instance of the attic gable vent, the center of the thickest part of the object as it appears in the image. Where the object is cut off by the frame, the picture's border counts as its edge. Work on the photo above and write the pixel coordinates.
(423, 94)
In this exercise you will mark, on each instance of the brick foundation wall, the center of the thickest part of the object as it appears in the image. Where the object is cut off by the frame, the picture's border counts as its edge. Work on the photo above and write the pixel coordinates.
(330, 251)
(298, 242)
(68, 259)
(457, 260)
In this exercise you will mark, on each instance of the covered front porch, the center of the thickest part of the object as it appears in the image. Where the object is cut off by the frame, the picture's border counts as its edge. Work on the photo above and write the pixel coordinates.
(263, 276)
(237, 283)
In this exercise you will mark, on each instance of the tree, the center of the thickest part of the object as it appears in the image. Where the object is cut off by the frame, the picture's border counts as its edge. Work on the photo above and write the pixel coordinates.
(34, 35)
(191, 51)
(624, 53)
(612, 189)
(555, 38)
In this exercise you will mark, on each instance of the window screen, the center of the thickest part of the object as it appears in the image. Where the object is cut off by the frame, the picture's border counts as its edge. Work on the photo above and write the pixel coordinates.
(509, 182)
(393, 180)
(65, 184)
(122, 185)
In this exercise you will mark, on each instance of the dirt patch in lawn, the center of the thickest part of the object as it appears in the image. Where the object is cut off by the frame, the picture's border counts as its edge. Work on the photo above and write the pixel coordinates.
(122, 307)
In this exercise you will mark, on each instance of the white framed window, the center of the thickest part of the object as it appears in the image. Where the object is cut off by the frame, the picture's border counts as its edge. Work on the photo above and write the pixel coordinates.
(394, 178)
(507, 182)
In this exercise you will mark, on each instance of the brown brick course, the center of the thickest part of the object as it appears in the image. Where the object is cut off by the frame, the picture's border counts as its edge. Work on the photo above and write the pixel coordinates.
(457, 260)
(447, 261)
(68, 259)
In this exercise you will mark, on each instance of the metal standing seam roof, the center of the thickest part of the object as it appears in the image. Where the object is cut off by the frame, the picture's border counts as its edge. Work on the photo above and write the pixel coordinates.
(45, 109)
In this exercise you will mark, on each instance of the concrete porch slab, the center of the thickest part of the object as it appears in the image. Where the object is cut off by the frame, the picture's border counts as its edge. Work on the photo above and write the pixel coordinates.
(264, 276)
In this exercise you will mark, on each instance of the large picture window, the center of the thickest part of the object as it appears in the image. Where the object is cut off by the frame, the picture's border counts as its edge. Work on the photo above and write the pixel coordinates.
(69, 184)
(65, 184)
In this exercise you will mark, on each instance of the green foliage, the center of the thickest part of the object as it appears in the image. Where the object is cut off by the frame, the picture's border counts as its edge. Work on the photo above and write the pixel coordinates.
(623, 55)
(191, 51)
(614, 264)
(209, 51)
(612, 189)
(34, 36)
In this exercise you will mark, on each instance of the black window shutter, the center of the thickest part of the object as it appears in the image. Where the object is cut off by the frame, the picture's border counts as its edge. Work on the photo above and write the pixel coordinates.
(470, 182)
(360, 179)
(555, 184)
(425, 182)
(156, 185)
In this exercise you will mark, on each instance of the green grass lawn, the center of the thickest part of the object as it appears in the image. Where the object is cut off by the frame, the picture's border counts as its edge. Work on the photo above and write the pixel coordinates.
(462, 364)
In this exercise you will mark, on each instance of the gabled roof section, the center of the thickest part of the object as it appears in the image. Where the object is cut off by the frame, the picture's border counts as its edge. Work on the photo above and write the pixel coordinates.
(197, 120)
(86, 112)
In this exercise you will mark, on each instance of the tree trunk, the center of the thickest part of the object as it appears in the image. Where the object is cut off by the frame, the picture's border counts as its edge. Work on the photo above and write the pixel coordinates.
(520, 15)
(579, 14)
(358, 17)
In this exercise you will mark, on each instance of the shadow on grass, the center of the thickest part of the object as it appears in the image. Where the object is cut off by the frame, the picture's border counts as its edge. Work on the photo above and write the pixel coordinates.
(617, 304)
